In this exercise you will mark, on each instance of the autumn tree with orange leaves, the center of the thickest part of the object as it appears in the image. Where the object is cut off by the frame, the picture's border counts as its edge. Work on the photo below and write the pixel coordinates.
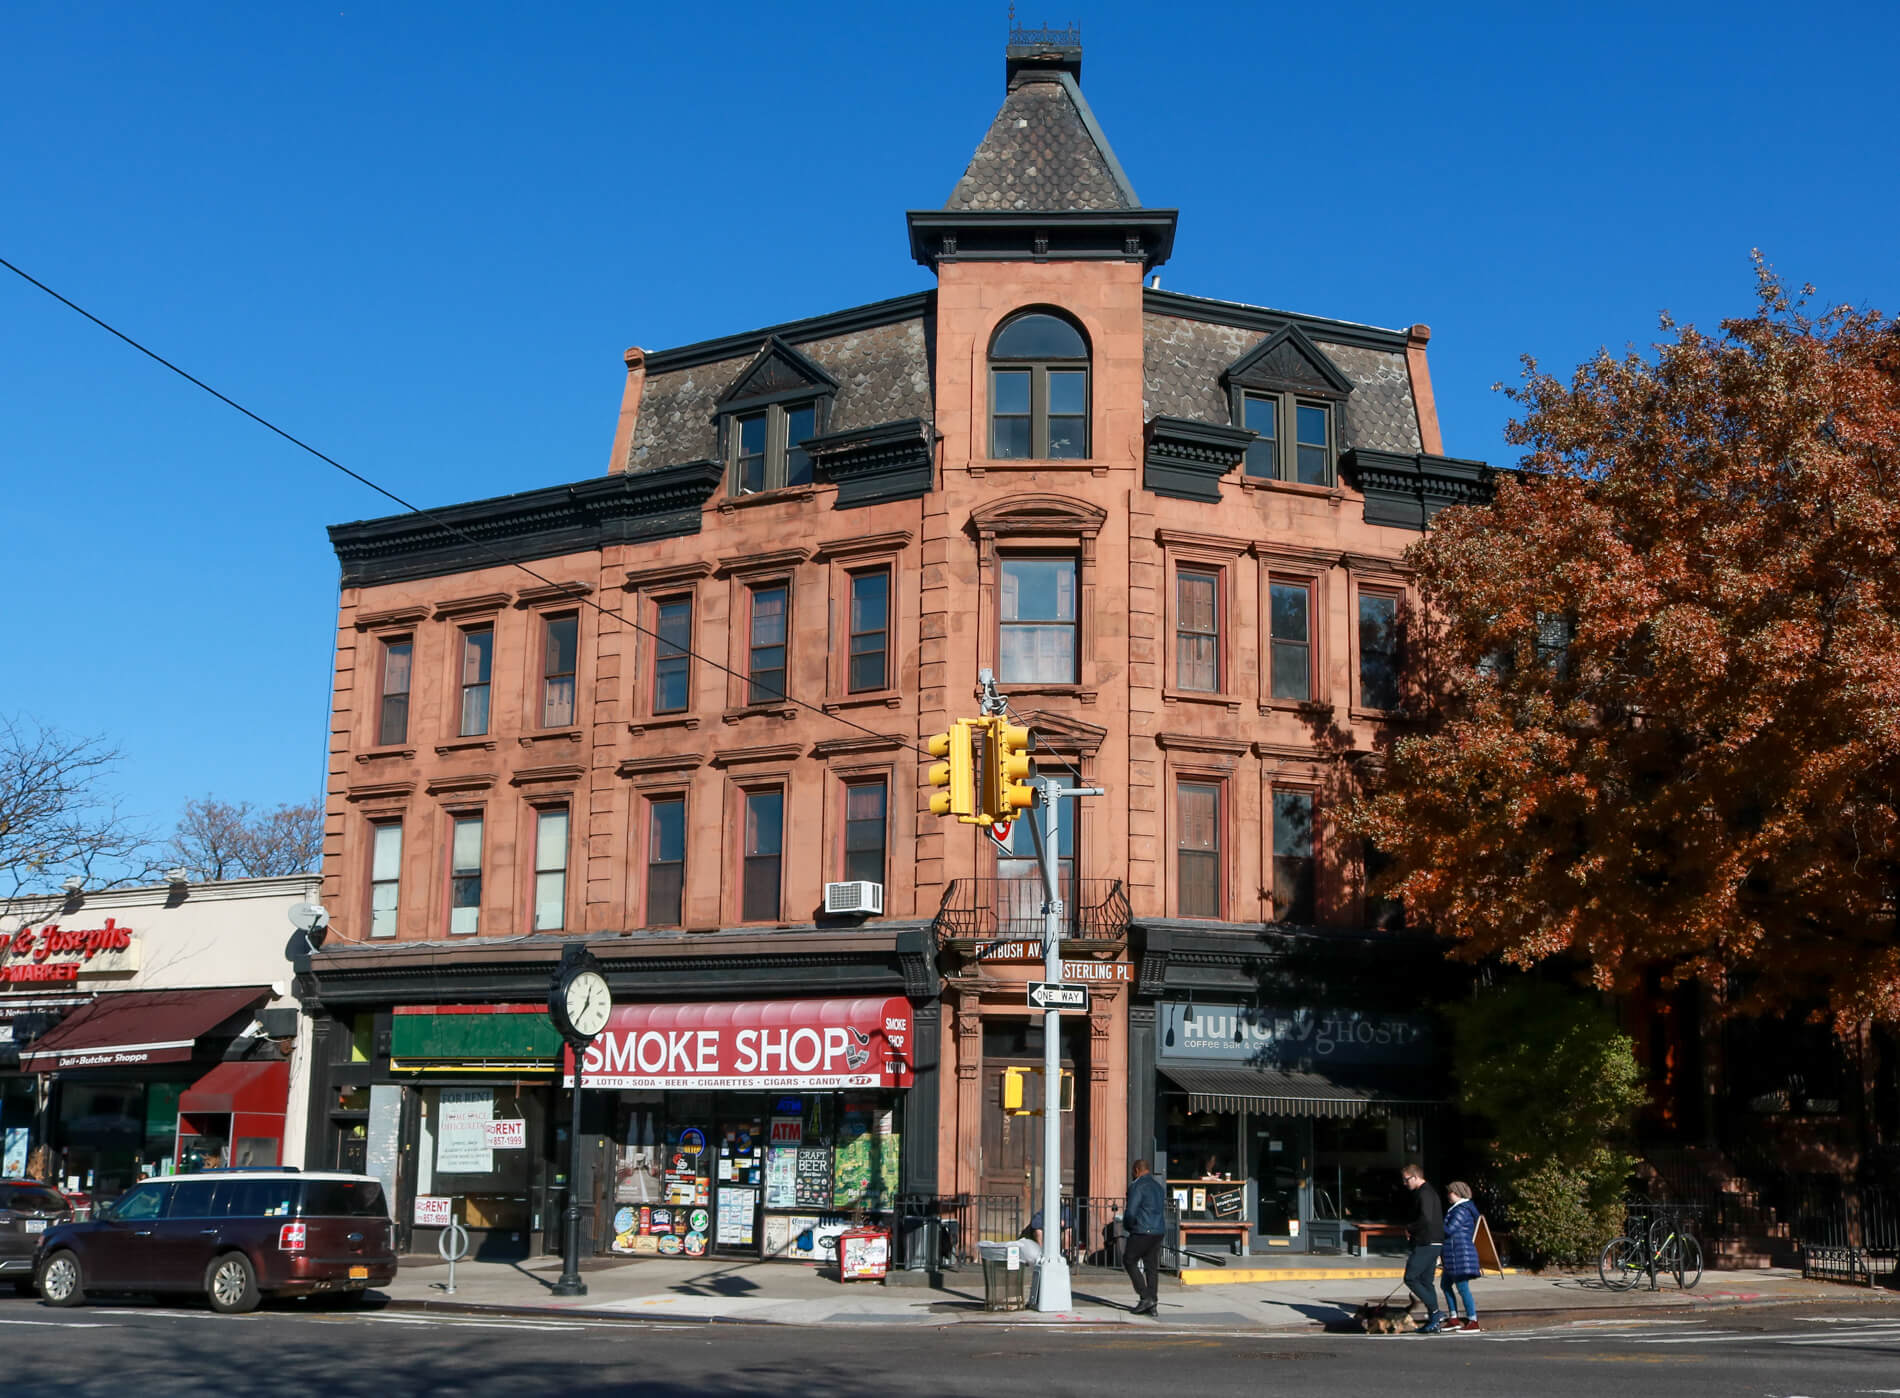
(1664, 669)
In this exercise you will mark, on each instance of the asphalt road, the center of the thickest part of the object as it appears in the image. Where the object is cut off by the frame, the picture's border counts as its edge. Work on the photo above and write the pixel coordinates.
(129, 1350)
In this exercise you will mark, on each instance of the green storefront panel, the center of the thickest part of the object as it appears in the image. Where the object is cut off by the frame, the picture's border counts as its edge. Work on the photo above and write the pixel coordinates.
(504, 1037)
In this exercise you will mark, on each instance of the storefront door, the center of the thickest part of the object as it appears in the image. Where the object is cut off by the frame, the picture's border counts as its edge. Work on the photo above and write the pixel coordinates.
(1280, 1164)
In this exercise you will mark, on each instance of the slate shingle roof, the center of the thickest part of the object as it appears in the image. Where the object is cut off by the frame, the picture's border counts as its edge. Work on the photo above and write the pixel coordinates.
(1183, 360)
(1045, 152)
(883, 375)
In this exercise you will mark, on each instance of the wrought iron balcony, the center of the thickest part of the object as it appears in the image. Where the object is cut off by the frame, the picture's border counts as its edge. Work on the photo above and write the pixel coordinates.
(1010, 910)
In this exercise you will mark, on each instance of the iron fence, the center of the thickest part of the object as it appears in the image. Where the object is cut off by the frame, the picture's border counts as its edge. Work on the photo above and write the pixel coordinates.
(940, 1231)
(1010, 910)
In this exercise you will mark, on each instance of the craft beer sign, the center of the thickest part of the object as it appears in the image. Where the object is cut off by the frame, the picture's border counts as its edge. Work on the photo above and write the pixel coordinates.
(768, 1044)
(34, 955)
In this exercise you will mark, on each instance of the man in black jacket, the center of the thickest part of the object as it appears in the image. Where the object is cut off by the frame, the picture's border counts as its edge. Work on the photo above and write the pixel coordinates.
(1144, 1222)
(1427, 1236)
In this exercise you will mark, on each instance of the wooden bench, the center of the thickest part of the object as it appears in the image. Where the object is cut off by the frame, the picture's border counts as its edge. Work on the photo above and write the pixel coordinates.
(1235, 1234)
(1369, 1233)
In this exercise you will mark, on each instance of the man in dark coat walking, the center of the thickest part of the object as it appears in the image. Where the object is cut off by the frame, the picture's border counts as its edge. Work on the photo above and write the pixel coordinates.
(1427, 1237)
(1144, 1221)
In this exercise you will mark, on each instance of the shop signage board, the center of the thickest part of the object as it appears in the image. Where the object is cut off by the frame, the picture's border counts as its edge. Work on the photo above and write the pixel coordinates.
(434, 1211)
(752, 1045)
(812, 1187)
(34, 955)
(1273, 1037)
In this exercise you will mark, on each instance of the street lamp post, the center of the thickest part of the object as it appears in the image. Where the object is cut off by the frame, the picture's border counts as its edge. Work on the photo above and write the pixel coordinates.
(570, 1283)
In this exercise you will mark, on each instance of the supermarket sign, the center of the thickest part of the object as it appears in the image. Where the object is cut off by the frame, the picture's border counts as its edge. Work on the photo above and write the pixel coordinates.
(757, 1044)
(36, 955)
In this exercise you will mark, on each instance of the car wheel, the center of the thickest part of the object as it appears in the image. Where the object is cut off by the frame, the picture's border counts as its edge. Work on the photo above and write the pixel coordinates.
(61, 1281)
(231, 1284)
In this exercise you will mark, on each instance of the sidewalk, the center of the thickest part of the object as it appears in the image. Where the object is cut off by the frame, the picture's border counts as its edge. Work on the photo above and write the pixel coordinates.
(711, 1291)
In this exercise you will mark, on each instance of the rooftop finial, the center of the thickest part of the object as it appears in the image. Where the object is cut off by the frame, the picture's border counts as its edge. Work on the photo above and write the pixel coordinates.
(1044, 50)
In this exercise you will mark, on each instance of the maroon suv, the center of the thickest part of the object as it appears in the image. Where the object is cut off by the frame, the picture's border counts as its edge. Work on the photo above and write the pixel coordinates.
(235, 1235)
(27, 1209)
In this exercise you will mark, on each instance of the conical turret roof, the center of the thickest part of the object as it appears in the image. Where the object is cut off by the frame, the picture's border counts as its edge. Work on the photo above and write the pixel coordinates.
(1045, 152)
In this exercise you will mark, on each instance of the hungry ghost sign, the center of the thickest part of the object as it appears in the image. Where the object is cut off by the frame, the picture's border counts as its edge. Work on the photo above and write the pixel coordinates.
(1270, 1037)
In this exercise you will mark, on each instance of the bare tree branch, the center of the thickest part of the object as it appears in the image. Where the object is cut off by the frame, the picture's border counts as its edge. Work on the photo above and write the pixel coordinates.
(55, 822)
(218, 840)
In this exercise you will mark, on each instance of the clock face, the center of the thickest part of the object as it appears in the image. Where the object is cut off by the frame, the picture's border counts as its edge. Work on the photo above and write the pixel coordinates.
(588, 1002)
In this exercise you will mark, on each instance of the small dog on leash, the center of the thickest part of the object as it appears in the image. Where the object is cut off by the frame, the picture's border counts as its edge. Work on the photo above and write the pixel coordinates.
(1381, 1318)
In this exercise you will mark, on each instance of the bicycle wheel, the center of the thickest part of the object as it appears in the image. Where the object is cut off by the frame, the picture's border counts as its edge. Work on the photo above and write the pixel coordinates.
(1688, 1262)
(1620, 1266)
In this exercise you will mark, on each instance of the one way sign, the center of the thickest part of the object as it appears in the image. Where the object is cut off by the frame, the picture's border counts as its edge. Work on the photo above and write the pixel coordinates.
(1048, 995)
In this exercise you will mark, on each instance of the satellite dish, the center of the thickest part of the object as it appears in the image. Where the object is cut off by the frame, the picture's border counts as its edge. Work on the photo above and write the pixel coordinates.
(309, 917)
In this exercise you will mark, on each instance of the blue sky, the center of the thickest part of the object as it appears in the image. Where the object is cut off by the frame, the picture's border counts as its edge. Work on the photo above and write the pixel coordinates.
(419, 236)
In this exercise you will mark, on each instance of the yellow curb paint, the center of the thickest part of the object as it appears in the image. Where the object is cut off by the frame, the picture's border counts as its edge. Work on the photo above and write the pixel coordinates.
(1228, 1276)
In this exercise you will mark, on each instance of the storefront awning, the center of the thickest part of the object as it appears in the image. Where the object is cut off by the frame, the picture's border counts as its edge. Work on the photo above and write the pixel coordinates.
(259, 1088)
(759, 1044)
(1277, 1092)
(136, 1027)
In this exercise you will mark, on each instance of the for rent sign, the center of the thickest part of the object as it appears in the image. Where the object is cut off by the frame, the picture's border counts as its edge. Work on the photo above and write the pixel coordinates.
(767, 1044)
(54, 953)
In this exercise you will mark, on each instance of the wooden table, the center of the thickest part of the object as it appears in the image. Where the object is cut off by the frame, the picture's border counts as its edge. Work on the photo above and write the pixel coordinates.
(1371, 1232)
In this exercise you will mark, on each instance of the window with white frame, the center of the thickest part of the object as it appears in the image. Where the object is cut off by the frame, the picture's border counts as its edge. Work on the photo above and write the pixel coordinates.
(550, 870)
(385, 877)
(465, 875)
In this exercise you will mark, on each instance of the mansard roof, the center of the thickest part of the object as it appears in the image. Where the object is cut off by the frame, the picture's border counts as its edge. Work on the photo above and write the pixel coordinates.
(1044, 152)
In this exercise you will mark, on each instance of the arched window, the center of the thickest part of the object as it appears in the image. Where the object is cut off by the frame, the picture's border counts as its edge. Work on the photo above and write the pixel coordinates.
(1039, 389)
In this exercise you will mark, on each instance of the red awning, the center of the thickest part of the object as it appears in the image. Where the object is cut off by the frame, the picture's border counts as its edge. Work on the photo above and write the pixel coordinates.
(767, 1044)
(135, 1027)
(239, 1087)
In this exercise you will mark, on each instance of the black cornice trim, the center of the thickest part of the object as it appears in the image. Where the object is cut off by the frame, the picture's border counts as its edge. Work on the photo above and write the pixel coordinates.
(870, 465)
(1244, 317)
(1407, 491)
(543, 523)
(1025, 235)
(822, 327)
(1185, 459)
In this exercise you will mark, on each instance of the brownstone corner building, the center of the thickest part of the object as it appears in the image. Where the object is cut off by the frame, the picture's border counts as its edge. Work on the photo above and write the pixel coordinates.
(1172, 525)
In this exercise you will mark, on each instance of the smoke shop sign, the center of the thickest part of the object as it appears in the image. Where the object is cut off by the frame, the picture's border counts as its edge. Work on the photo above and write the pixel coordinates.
(34, 955)
(1290, 1038)
(761, 1044)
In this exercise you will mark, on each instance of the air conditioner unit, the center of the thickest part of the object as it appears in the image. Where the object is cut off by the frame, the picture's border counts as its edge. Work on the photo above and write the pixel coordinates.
(855, 897)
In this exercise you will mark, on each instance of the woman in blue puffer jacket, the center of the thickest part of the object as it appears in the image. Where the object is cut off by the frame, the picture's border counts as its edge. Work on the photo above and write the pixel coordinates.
(1458, 1263)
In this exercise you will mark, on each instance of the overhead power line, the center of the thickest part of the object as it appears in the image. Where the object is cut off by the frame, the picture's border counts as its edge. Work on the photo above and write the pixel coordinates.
(433, 518)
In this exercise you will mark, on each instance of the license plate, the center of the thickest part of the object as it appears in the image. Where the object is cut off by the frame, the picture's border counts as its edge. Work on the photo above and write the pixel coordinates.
(359, 1274)
(36, 1225)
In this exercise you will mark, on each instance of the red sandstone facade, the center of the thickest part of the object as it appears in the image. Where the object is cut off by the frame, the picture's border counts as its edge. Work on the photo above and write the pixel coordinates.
(927, 505)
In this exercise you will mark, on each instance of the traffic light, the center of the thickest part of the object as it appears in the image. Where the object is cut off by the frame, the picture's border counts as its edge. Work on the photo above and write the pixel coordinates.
(956, 774)
(1013, 1089)
(1014, 1092)
(1005, 788)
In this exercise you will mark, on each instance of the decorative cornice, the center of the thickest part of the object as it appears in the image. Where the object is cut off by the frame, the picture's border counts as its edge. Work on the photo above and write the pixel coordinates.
(1406, 491)
(661, 762)
(1207, 543)
(890, 461)
(771, 561)
(776, 371)
(558, 772)
(845, 747)
(395, 616)
(1288, 360)
(1071, 235)
(470, 781)
(380, 791)
(892, 541)
(470, 606)
(669, 574)
(1297, 555)
(1245, 317)
(1199, 742)
(545, 523)
(1037, 514)
(1186, 459)
(552, 592)
(771, 752)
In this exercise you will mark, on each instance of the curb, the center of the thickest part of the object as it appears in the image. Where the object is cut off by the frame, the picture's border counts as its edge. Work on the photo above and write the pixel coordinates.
(447, 1306)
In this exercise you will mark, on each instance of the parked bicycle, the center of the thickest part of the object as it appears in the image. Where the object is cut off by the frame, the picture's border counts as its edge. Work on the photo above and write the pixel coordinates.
(1656, 1241)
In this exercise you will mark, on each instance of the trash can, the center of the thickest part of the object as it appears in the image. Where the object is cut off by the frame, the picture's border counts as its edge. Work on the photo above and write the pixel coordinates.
(1004, 1288)
(923, 1243)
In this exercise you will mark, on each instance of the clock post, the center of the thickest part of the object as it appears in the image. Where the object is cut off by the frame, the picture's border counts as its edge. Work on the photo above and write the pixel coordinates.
(578, 1004)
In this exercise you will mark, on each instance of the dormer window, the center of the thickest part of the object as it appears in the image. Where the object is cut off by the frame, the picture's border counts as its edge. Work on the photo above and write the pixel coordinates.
(1039, 389)
(766, 449)
(778, 402)
(1289, 394)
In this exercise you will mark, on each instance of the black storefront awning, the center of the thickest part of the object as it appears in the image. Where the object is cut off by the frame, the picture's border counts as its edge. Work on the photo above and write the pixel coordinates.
(1279, 1092)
